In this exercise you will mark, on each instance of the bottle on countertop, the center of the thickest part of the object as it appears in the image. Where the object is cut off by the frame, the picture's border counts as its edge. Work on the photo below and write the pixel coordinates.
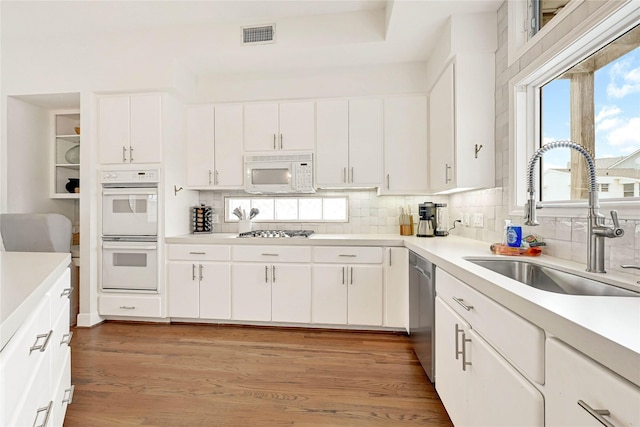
(514, 236)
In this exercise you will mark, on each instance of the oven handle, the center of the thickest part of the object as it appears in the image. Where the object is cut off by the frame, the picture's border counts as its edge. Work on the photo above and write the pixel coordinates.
(129, 191)
(106, 245)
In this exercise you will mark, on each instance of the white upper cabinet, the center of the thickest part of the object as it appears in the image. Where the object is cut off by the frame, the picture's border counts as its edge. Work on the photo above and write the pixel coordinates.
(405, 145)
(130, 129)
(214, 146)
(279, 126)
(461, 124)
(349, 143)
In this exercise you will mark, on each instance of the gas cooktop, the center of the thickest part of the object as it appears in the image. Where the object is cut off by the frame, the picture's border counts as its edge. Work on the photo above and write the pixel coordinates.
(278, 233)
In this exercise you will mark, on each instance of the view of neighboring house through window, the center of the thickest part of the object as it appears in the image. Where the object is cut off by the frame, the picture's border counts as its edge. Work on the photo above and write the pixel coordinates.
(596, 103)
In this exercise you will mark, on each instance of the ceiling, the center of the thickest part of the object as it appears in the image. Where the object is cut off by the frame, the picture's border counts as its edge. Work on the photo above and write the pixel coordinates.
(205, 35)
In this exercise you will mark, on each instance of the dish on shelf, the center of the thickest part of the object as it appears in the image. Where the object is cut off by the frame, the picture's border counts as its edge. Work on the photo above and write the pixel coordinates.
(77, 129)
(73, 155)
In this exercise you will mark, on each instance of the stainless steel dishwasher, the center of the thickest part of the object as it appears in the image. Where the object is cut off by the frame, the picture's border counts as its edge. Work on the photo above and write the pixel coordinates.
(422, 311)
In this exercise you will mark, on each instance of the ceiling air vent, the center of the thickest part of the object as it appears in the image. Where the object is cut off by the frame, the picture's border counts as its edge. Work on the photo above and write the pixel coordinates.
(259, 34)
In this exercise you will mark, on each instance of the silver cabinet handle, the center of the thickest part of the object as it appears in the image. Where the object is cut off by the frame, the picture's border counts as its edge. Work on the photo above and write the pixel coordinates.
(124, 154)
(210, 172)
(127, 307)
(66, 292)
(389, 257)
(387, 181)
(42, 347)
(281, 145)
(273, 274)
(447, 168)
(351, 281)
(130, 154)
(66, 338)
(461, 302)
(274, 141)
(47, 410)
(270, 254)
(465, 340)
(348, 255)
(344, 175)
(343, 275)
(216, 181)
(458, 330)
(69, 400)
(266, 274)
(197, 253)
(193, 272)
(200, 268)
(351, 178)
(598, 414)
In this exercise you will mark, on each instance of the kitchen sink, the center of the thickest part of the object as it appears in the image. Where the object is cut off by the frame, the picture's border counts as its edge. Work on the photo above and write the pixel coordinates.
(550, 279)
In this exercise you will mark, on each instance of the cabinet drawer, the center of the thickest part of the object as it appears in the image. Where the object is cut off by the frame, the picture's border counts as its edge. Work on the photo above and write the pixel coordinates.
(272, 253)
(138, 306)
(572, 376)
(62, 391)
(60, 339)
(200, 252)
(521, 342)
(347, 255)
(20, 366)
(60, 295)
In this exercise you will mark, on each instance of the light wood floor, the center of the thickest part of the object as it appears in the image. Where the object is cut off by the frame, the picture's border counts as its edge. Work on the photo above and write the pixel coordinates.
(207, 375)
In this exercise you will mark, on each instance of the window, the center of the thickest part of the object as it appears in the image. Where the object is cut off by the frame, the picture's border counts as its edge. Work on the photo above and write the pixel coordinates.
(289, 209)
(627, 190)
(595, 103)
(543, 11)
(604, 188)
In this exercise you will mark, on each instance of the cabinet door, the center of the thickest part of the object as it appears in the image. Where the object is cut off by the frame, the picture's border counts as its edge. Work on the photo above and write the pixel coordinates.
(251, 292)
(200, 145)
(365, 295)
(291, 293)
(329, 294)
(492, 382)
(113, 129)
(572, 377)
(297, 126)
(146, 129)
(365, 142)
(396, 288)
(405, 145)
(215, 290)
(261, 127)
(228, 147)
(450, 379)
(183, 289)
(441, 132)
(332, 143)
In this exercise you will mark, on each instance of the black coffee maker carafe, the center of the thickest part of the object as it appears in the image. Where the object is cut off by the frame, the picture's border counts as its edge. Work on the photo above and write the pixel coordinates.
(427, 221)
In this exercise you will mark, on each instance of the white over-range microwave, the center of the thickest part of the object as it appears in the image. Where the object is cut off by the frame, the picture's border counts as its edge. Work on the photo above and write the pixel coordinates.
(279, 173)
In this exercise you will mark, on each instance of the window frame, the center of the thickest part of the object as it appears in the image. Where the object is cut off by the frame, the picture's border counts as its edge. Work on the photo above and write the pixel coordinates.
(596, 31)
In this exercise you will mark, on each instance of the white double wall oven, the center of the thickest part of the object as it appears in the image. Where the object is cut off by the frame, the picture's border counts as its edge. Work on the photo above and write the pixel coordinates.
(130, 230)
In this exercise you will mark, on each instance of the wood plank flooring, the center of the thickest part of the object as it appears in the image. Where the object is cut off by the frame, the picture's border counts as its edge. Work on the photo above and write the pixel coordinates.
(136, 374)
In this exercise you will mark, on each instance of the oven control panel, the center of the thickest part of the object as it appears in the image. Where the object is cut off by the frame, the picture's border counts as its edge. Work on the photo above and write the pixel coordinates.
(130, 176)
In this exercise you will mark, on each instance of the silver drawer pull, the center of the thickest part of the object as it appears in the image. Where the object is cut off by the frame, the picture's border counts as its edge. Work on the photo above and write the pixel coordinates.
(461, 302)
(465, 340)
(46, 416)
(66, 292)
(348, 255)
(66, 338)
(42, 347)
(270, 254)
(69, 400)
(598, 414)
(127, 307)
(458, 330)
(197, 253)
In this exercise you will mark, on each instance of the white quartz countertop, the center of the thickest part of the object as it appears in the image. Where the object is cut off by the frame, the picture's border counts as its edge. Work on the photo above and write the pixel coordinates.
(605, 328)
(25, 277)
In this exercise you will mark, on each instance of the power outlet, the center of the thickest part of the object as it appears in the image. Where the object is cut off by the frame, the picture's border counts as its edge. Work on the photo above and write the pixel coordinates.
(478, 220)
(466, 220)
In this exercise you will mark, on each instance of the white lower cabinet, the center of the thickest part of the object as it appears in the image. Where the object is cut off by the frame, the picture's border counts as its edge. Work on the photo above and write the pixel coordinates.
(581, 393)
(347, 293)
(199, 281)
(35, 364)
(396, 288)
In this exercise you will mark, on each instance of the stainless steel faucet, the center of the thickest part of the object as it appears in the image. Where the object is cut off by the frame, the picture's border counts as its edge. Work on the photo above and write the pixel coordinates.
(596, 230)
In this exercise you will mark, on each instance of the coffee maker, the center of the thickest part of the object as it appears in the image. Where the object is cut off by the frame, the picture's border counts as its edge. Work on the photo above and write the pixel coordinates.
(427, 220)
